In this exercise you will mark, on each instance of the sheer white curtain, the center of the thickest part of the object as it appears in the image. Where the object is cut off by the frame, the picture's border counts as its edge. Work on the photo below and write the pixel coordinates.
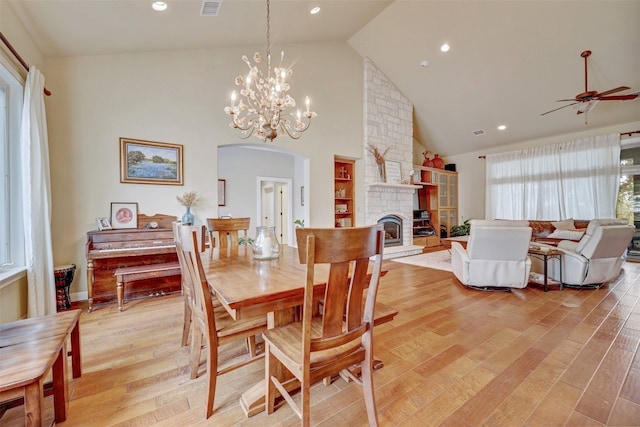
(36, 190)
(577, 179)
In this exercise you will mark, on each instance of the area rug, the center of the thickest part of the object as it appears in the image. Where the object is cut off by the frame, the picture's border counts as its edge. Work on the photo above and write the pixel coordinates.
(440, 260)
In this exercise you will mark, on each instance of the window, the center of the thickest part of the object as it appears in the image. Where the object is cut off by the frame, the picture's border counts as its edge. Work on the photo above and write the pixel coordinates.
(629, 194)
(11, 224)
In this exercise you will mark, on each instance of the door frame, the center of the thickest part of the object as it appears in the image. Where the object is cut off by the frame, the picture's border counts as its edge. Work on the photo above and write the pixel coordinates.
(289, 184)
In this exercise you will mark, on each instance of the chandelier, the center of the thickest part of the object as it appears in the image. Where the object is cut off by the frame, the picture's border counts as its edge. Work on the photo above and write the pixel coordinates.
(261, 108)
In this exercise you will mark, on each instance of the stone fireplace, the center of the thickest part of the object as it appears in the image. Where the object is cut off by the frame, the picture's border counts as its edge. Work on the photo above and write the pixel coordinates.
(388, 117)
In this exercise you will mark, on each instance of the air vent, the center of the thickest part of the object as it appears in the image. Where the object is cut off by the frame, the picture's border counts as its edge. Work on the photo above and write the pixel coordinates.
(210, 8)
(479, 132)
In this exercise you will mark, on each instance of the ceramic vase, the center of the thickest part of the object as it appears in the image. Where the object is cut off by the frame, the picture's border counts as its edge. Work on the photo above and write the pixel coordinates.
(438, 162)
(381, 172)
(426, 175)
(188, 218)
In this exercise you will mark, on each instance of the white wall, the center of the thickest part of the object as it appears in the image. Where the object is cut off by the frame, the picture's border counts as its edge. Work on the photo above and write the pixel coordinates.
(179, 97)
(240, 166)
(471, 169)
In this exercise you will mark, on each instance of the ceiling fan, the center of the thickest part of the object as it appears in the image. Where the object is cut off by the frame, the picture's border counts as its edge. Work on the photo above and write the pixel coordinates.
(589, 98)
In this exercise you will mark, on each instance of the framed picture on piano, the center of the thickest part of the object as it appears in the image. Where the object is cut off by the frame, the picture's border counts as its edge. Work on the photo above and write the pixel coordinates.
(103, 223)
(124, 215)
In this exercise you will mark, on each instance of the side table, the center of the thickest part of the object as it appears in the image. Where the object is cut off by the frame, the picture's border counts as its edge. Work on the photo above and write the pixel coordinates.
(545, 254)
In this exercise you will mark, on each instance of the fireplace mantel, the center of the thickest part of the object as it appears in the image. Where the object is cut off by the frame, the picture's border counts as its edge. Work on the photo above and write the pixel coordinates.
(379, 186)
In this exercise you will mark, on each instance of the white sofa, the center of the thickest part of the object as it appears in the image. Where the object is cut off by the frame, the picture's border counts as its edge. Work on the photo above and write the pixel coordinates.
(597, 258)
(495, 257)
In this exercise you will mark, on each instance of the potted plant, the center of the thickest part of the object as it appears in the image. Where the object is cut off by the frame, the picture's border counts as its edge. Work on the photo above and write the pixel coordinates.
(461, 229)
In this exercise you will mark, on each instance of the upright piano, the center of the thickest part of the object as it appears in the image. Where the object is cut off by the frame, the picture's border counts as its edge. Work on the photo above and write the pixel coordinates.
(109, 250)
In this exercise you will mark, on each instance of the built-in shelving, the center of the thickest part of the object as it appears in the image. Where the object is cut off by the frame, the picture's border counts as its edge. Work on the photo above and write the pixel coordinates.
(438, 194)
(344, 190)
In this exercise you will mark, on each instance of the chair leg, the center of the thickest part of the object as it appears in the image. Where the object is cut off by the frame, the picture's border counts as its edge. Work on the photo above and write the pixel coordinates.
(367, 388)
(187, 323)
(270, 368)
(212, 372)
(196, 349)
(251, 345)
(305, 390)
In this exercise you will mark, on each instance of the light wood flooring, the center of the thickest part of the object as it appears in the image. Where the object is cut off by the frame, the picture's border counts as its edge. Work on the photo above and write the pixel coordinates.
(453, 356)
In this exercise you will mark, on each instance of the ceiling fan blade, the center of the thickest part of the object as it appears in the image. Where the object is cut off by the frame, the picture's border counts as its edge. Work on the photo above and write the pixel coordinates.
(608, 92)
(560, 108)
(567, 100)
(618, 97)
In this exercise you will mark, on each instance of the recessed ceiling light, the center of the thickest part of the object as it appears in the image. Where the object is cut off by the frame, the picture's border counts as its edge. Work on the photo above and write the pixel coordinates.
(424, 63)
(159, 6)
(502, 127)
(445, 48)
(315, 10)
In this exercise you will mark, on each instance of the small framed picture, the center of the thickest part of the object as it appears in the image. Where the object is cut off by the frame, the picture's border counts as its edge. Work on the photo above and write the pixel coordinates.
(103, 223)
(222, 188)
(124, 215)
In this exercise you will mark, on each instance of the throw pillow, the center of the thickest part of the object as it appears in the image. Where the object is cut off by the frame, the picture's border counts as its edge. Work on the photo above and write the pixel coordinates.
(567, 234)
(565, 224)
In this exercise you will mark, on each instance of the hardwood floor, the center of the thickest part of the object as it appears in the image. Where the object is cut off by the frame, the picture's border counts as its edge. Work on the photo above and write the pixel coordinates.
(453, 356)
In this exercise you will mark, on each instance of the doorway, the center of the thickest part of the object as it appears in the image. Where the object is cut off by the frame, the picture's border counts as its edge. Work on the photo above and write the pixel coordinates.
(275, 206)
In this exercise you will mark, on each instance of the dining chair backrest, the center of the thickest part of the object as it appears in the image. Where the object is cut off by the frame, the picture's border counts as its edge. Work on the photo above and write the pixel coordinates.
(210, 329)
(187, 285)
(227, 229)
(338, 336)
(348, 251)
(201, 302)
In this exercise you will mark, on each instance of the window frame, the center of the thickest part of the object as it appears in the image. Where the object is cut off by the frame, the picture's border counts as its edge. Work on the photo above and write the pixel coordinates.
(12, 262)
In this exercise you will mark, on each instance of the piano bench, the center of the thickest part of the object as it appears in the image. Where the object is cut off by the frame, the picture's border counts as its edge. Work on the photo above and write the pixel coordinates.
(140, 272)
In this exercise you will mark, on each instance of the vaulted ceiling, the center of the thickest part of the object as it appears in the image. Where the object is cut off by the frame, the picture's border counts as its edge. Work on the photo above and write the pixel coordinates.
(509, 60)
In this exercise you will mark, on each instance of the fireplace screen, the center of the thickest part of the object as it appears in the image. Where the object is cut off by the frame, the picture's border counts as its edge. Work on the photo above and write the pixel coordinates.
(392, 225)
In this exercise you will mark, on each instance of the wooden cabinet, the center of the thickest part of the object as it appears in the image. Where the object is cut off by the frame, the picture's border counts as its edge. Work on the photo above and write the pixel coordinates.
(344, 191)
(448, 201)
(439, 196)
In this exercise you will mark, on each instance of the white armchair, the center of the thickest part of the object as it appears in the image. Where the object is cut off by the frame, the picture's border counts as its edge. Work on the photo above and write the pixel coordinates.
(495, 257)
(597, 258)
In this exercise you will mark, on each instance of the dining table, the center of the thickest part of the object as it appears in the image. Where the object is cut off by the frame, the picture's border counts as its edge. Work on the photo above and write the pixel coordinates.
(248, 287)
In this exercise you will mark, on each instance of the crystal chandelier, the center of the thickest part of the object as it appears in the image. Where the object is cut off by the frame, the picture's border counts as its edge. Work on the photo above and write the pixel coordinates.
(261, 109)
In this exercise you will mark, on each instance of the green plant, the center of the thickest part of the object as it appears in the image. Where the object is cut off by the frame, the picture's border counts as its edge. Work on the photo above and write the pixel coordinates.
(299, 222)
(248, 241)
(461, 229)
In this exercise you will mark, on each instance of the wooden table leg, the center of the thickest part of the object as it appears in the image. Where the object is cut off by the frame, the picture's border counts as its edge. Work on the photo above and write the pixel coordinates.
(34, 403)
(60, 391)
(120, 292)
(76, 358)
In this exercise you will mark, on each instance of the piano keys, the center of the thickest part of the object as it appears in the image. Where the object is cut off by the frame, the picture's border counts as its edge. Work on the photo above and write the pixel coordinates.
(109, 250)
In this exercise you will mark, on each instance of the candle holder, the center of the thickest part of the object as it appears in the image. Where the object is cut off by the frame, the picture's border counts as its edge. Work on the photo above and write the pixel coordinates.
(266, 245)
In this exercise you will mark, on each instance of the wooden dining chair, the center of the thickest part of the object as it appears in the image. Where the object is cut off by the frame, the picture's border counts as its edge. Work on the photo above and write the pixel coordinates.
(186, 287)
(213, 326)
(341, 336)
(228, 230)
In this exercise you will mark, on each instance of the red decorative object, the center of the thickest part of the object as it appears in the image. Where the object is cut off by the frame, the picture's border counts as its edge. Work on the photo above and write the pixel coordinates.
(427, 163)
(438, 162)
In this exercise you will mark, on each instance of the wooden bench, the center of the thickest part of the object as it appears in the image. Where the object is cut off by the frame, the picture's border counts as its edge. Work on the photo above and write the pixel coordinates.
(141, 272)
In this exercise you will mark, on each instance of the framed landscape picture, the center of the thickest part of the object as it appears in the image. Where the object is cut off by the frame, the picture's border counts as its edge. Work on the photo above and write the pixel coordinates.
(148, 162)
